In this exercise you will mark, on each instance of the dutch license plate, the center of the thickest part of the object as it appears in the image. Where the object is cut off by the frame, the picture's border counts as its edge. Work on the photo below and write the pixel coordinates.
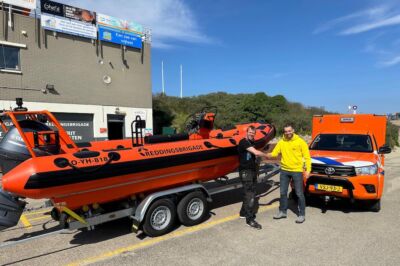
(329, 188)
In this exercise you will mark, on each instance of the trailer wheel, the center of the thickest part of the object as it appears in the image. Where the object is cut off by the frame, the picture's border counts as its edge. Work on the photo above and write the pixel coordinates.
(160, 218)
(193, 208)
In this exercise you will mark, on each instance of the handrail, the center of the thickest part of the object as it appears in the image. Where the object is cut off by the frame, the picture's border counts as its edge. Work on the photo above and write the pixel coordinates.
(64, 137)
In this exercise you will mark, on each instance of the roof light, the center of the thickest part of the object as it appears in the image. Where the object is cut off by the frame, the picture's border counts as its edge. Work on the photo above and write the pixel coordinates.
(347, 120)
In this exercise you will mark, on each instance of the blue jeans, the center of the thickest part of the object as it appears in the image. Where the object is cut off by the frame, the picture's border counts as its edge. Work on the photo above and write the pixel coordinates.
(284, 179)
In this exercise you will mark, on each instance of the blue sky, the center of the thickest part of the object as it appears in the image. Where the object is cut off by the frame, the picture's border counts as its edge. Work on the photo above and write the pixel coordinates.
(331, 53)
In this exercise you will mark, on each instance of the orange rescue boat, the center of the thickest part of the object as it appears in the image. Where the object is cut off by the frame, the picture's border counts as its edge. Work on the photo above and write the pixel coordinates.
(40, 161)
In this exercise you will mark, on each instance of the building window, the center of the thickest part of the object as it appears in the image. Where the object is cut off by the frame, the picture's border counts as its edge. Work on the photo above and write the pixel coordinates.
(9, 57)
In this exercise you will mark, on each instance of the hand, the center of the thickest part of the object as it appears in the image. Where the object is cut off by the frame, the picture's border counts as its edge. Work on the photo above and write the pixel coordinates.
(306, 174)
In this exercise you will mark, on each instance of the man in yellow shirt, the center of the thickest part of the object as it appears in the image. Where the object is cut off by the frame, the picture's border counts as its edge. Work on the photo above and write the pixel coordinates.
(295, 161)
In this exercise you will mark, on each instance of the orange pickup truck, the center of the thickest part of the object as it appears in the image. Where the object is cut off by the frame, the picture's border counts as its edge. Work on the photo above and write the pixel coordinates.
(347, 154)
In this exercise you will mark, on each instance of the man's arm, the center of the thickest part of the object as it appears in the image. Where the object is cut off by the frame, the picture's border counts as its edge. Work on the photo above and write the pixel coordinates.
(256, 152)
(275, 152)
(307, 158)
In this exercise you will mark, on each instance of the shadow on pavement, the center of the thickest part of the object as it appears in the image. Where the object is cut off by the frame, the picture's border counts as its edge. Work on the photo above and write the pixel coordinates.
(122, 227)
(335, 204)
(41, 255)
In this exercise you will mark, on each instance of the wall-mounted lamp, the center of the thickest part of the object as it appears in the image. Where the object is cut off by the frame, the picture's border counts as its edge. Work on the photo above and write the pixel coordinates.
(49, 89)
(119, 112)
(23, 32)
(107, 79)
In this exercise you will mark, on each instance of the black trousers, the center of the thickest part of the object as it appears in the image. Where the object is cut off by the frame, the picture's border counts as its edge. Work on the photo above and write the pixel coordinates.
(249, 181)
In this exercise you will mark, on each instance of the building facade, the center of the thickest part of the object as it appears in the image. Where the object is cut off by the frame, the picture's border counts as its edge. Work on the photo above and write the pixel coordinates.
(95, 88)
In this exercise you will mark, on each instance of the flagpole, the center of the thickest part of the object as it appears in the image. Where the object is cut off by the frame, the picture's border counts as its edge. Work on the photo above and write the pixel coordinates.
(181, 82)
(162, 77)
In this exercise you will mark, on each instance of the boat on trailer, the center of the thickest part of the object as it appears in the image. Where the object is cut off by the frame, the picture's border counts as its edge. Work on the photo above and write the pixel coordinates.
(83, 181)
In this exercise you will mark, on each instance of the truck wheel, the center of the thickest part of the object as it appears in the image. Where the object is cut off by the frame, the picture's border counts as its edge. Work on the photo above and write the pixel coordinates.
(193, 208)
(374, 205)
(160, 218)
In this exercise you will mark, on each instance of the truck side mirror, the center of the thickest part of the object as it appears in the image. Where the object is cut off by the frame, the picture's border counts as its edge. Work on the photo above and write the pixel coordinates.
(384, 150)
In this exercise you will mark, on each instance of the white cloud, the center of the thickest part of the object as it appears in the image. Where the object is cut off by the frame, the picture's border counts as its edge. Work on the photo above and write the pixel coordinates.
(268, 75)
(396, 42)
(372, 48)
(278, 75)
(382, 20)
(370, 13)
(391, 21)
(391, 62)
(170, 21)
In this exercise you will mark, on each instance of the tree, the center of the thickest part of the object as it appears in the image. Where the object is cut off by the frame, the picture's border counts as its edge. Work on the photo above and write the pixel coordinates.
(162, 114)
(234, 109)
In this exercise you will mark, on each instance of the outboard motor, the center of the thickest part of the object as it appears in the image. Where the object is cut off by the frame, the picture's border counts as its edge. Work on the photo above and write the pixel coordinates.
(11, 209)
(13, 150)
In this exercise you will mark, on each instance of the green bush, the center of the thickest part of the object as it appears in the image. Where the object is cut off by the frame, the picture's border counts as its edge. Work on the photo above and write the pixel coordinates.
(233, 109)
(392, 135)
(240, 108)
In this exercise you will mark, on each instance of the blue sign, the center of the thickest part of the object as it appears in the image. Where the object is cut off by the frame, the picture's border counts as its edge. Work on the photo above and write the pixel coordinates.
(120, 37)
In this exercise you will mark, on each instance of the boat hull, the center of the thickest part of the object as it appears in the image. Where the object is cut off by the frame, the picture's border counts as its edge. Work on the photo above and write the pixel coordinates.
(106, 175)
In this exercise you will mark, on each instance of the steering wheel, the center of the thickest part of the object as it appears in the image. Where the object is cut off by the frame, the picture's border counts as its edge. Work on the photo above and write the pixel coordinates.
(192, 122)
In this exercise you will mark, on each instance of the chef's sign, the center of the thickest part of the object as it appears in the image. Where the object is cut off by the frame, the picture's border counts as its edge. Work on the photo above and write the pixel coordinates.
(68, 19)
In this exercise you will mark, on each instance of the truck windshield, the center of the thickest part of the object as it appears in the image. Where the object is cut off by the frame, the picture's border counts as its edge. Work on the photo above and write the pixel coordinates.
(342, 142)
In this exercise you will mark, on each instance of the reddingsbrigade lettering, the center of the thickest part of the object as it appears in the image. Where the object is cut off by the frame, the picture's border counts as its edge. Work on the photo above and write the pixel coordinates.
(145, 152)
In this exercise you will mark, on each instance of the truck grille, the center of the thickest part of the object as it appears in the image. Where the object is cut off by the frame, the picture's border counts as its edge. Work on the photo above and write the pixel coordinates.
(340, 170)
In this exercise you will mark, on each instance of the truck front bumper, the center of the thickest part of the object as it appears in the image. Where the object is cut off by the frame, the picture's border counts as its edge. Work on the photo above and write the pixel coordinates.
(356, 187)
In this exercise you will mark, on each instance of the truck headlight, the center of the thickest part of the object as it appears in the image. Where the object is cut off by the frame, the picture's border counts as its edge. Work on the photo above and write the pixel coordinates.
(367, 170)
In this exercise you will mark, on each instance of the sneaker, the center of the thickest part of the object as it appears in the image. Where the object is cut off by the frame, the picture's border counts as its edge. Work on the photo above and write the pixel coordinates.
(280, 215)
(243, 216)
(300, 219)
(254, 224)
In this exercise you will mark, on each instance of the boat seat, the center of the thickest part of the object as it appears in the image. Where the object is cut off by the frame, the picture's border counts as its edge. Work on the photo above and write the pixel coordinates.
(227, 128)
(118, 148)
(220, 136)
(166, 138)
(83, 144)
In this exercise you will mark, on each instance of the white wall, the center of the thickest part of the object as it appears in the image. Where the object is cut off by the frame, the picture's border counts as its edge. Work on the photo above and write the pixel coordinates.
(99, 114)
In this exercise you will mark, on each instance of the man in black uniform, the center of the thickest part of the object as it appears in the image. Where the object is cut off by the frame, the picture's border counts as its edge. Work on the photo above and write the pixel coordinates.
(248, 176)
